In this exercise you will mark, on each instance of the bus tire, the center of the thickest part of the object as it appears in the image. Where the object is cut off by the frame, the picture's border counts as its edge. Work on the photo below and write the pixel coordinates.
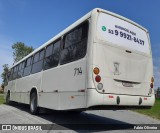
(8, 98)
(33, 104)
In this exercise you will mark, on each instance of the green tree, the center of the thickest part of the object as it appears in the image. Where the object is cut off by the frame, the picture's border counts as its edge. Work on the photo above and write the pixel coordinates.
(4, 74)
(20, 50)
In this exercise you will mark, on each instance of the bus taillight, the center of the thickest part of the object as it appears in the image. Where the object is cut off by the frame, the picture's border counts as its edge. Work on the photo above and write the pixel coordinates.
(96, 70)
(152, 79)
(98, 78)
(151, 85)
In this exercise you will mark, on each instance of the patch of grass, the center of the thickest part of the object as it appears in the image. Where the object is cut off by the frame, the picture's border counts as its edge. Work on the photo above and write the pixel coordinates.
(153, 112)
(2, 99)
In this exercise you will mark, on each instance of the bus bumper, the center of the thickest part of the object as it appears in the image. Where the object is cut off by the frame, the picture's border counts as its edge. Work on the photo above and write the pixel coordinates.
(115, 101)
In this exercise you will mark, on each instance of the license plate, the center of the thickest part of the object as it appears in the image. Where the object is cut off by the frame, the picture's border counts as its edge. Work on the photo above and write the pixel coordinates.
(127, 84)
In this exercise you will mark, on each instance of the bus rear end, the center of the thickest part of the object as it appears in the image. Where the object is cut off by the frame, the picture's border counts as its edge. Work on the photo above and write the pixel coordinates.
(122, 69)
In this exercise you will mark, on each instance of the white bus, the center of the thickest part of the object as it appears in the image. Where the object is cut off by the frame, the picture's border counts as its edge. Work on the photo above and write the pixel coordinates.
(102, 61)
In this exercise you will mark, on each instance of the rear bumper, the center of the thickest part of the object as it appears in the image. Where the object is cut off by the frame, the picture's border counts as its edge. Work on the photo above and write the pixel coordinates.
(116, 107)
(110, 101)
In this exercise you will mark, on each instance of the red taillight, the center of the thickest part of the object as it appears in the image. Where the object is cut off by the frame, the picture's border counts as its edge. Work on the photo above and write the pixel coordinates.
(98, 78)
(151, 85)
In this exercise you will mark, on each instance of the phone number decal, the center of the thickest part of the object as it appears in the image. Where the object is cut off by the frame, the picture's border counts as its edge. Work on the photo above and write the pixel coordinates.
(126, 36)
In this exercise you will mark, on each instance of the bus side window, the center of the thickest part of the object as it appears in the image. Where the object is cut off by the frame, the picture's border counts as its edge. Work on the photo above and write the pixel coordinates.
(55, 56)
(47, 60)
(15, 72)
(10, 77)
(27, 67)
(20, 70)
(52, 55)
(75, 44)
(38, 62)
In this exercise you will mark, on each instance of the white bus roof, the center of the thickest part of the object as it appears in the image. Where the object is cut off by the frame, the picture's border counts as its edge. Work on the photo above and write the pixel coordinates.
(79, 21)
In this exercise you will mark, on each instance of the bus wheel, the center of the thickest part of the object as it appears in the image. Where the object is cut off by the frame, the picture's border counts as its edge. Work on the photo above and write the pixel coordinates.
(33, 104)
(8, 98)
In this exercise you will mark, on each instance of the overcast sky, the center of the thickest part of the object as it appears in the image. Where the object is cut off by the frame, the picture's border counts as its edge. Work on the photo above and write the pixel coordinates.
(36, 21)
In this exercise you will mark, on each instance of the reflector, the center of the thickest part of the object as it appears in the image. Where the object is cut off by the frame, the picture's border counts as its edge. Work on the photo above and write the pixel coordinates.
(100, 86)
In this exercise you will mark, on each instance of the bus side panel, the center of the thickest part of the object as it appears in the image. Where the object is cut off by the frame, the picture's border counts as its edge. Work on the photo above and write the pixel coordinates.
(71, 100)
(66, 82)
(25, 84)
(74, 80)
(48, 100)
(14, 95)
(48, 97)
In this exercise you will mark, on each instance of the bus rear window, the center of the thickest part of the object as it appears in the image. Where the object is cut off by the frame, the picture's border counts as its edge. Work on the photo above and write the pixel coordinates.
(75, 44)
(119, 32)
